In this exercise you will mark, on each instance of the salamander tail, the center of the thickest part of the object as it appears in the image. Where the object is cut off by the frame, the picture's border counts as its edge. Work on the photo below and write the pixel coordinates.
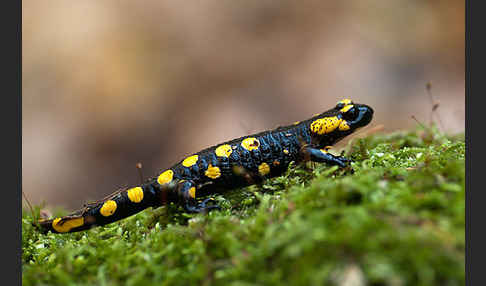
(115, 207)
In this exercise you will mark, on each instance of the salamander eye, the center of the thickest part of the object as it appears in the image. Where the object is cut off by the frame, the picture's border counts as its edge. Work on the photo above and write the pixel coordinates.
(349, 112)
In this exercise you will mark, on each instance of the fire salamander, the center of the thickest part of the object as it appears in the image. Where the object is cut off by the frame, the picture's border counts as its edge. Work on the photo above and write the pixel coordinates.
(236, 163)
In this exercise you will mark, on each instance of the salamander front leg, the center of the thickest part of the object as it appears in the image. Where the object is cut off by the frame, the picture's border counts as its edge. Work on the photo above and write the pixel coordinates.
(323, 156)
(187, 191)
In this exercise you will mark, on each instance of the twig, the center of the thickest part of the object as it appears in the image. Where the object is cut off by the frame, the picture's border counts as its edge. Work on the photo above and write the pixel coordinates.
(419, 123)
(435, 105)
(139, 167)
(30, 206)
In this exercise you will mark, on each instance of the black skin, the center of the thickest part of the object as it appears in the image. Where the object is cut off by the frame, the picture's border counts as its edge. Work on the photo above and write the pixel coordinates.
(277, 148)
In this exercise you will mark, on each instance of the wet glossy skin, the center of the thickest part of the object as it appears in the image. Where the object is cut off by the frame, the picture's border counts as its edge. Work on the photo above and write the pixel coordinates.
(236, 163)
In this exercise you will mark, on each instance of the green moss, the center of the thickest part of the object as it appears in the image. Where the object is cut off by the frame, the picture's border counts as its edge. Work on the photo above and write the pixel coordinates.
(397, 220)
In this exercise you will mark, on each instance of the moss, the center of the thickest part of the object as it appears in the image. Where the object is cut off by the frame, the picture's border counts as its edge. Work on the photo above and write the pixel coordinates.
(397, 220)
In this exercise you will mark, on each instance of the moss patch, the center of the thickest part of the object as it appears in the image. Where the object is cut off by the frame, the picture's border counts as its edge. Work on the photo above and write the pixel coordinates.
(397, 220)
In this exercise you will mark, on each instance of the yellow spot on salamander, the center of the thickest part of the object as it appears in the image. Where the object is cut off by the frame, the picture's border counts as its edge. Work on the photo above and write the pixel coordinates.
(345, 102)
(192, 192)
(165, 177)
(325, 125)
(286, 151)
(189, 161)
(250, 143)
(325, 149)
(108, 208)
(223, 151)
(135, 194)
(263, 169)
(346, 108)
(67, 225)
(344, 126)
(213, 172)
(296, 122)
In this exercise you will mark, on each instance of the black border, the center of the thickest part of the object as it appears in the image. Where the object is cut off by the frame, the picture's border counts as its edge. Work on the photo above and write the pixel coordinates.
(470, 194)
(11, 126)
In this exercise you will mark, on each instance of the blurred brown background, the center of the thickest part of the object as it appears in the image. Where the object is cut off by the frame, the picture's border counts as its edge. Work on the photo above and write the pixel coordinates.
(107, 84)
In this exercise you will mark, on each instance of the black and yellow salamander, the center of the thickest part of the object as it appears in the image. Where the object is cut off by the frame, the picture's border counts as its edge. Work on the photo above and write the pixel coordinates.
(236, 163)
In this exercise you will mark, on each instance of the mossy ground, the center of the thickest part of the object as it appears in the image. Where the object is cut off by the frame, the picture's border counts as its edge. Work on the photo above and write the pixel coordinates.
(397, 220)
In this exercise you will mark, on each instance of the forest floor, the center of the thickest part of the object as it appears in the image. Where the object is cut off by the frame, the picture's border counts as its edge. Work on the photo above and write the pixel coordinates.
(399, 219)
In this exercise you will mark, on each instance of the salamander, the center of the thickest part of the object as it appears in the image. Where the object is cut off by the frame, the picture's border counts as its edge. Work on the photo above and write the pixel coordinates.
(236, 163)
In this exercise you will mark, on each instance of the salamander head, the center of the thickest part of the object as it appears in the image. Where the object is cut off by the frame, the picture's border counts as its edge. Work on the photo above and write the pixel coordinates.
(356, 115)
(333, 125)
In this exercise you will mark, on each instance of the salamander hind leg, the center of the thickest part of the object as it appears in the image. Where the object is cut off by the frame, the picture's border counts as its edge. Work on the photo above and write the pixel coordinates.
(187, 192)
